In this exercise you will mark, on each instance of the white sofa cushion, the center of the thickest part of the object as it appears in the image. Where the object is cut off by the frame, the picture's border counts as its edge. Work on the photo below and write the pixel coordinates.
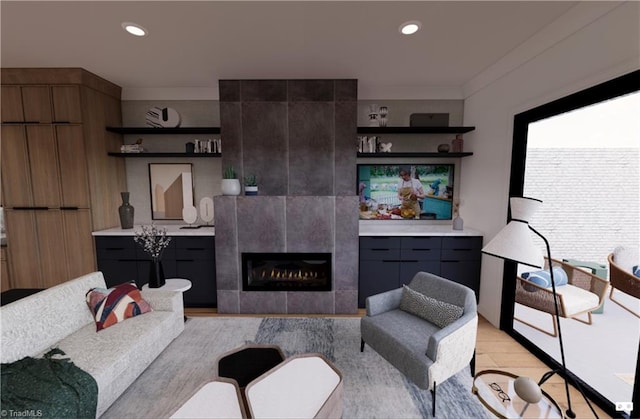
(33, 324)
(116, 356)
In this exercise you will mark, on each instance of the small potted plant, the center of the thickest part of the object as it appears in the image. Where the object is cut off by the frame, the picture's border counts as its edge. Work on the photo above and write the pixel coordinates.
(230, 184)
(251, 185)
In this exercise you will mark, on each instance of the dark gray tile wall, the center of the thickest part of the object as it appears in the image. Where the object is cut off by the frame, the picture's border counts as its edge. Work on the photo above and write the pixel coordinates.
(299, 138)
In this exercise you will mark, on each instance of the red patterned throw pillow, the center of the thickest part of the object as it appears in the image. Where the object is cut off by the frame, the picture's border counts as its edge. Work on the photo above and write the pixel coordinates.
(113, 305)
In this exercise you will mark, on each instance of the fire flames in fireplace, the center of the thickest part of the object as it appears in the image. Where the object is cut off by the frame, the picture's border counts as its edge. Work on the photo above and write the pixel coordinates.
(286, 271)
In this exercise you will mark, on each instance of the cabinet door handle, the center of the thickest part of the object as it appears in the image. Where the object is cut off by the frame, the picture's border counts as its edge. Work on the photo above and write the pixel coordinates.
(380, 250)
(409, 261)
(449, 261)
(393, 260)
(31, 208)
(422, 250)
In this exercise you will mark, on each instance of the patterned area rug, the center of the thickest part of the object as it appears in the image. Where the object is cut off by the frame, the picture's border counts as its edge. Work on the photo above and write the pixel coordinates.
(372, 387)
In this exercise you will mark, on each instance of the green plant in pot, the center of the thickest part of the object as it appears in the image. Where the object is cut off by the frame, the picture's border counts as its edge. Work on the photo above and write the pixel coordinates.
(251, 185)
(230, 184)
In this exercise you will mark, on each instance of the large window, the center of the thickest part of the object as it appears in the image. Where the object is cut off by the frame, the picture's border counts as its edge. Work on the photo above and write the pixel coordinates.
(580, 155)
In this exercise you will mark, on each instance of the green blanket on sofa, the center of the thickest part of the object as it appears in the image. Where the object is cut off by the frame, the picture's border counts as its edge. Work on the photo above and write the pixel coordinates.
(48, 388)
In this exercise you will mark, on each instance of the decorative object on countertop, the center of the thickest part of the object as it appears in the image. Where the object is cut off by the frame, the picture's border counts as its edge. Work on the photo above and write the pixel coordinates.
(230, 185)
(457, 144)
(443, 148)
(153, 241)
(206, 210)
(251, 185)
(383, 112)
(458, 222)
(162, 117)
(126, 211)
(190, 215)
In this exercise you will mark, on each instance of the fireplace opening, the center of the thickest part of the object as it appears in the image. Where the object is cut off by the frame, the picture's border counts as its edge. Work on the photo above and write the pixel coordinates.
(286, 271)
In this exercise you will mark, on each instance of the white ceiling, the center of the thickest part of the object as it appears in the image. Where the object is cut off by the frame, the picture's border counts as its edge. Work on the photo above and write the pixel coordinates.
(191, 45)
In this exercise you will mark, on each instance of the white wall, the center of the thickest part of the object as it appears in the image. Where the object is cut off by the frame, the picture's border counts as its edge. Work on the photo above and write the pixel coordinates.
(595, 51)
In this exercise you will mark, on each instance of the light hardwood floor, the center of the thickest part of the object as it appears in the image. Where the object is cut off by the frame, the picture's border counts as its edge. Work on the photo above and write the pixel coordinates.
(495, 350)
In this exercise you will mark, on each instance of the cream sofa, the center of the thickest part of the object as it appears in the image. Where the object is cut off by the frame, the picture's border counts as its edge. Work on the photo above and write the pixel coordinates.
(114, 357)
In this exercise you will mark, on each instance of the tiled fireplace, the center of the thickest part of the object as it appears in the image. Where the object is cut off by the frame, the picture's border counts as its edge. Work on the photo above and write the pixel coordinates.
(298, 138)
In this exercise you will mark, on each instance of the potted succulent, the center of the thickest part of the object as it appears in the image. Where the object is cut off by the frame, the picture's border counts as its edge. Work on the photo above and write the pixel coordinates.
(251, 185)
(230, 184)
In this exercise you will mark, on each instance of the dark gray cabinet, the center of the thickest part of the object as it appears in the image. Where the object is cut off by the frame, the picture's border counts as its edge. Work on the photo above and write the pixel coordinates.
(388, 262)
(120, 260)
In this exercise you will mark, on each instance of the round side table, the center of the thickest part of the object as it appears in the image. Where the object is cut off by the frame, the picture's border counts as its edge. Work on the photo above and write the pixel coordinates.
(171, 284)
(495, 390)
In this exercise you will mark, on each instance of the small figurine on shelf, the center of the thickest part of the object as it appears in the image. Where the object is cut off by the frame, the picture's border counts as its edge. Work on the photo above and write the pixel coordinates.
(373, 115)
(383, 112)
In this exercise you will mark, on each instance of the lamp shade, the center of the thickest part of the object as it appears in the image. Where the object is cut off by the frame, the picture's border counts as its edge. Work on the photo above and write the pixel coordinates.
(515, 242)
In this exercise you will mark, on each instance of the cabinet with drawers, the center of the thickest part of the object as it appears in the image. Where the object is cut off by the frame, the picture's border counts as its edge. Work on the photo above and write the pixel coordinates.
(388, 262)
(120, 259)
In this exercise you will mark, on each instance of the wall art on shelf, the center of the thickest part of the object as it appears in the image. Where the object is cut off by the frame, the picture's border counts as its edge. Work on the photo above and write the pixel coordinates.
(171, 188)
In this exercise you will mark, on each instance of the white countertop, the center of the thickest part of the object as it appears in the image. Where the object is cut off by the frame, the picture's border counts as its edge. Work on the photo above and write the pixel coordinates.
(412, 228)
(367, 228)
(172, 230)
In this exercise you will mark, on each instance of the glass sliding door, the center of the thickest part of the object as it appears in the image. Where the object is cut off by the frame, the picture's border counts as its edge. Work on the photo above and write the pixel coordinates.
(580, 155)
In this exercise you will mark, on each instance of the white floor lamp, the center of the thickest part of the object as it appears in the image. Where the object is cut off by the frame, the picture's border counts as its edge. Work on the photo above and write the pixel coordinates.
(515, 243)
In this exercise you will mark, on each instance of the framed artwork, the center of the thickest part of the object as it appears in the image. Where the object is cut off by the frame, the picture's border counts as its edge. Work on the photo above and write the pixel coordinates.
(171, 187)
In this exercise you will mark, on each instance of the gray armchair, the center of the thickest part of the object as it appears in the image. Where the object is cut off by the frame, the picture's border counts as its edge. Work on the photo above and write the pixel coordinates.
(427, 354)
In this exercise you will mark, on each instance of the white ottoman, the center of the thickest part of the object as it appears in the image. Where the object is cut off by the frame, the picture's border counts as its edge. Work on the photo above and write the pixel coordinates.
(303, 386)
(216, 399)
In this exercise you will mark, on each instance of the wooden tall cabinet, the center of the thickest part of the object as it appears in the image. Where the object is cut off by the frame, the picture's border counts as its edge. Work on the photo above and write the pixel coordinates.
(58, 182)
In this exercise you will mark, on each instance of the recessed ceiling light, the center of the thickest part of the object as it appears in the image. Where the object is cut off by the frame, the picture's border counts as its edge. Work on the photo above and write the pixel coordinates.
(134, 29)
(411, 27)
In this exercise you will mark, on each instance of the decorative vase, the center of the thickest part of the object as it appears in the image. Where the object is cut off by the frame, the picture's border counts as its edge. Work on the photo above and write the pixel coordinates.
(230, 187)
(457, 144)
(156, 274)
(251, 190)
(458, 223)
(126, 212)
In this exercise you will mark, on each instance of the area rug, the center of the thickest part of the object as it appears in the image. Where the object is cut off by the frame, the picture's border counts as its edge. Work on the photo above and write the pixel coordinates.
(372, 387)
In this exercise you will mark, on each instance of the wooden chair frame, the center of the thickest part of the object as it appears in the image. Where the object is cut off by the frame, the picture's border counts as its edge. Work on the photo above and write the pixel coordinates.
(624, 281)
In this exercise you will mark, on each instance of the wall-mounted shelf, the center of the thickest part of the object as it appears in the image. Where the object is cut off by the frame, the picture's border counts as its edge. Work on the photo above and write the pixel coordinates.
(414, 130)
(146, 154)
(151, 130)
(413, 154)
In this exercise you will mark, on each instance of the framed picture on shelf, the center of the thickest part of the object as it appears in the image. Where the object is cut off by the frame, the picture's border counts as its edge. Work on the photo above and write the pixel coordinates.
(171, 189)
